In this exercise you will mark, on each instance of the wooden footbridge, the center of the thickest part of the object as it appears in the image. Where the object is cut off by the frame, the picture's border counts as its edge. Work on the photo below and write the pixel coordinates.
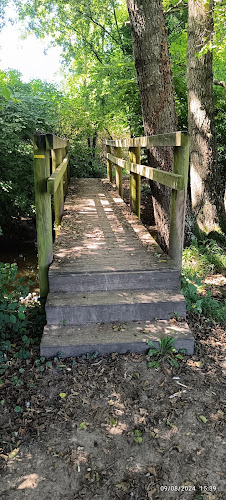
(109, 286)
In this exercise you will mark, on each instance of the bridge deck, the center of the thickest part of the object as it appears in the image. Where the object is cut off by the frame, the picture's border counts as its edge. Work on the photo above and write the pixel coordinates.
(99, 233)
(108, 269)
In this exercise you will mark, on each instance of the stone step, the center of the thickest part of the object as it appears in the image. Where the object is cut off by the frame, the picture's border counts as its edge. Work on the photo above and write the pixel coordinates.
(104, 307)
(159, 279)
(75, 340)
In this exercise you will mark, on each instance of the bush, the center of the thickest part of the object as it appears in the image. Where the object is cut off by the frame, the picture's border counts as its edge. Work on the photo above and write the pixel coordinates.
(13, 321)
(199, 260)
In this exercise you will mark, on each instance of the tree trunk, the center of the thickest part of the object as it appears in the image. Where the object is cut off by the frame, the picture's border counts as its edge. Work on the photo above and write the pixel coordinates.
(94, 143)
(204, 179)
(154, 76)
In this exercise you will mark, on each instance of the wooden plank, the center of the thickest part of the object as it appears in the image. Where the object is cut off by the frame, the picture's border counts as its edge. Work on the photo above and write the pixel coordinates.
(178, 205)
(58, 206)
(134, 154)
(54, 142)
(170, 179)
(109, 166)
(56, 177)
(171, 139)
(43, 213)
(118, 171)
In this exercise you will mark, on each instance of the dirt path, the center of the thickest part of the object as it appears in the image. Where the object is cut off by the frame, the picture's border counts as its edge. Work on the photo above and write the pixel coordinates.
(109, 428)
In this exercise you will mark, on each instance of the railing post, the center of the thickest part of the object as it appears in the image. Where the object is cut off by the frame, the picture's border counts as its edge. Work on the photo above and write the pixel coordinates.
(134, 156)
(118, 171)
(178, 203)
(43, 212)
(109, 166)
(65, 179)
(59, 194)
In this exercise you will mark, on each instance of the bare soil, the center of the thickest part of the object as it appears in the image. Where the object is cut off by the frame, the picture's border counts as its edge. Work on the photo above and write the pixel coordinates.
(77, 435)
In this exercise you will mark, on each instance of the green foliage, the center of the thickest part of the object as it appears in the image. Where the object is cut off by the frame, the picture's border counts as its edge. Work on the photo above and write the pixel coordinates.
(12, 317)
(138, 436)
(32, 107)
(165, 350)
(199, 299)
(204, 258)
(13, 321)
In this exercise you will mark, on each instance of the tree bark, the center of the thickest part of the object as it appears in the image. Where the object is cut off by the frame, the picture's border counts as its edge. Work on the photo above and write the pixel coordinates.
(205, 186)
(155, 82)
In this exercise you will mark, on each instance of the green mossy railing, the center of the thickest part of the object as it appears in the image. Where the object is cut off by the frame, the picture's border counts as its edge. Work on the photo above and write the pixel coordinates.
(51, 177)
(176, 180)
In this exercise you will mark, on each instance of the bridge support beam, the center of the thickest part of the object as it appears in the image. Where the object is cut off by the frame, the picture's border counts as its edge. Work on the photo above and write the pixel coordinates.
(43, 212)
(118, 171)
(109, 166)
(134, 156)
(178, 204)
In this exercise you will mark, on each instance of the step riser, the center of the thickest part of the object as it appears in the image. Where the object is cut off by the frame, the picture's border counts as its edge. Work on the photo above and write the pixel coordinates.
(153, 280)
(104, 349)
(79, 315)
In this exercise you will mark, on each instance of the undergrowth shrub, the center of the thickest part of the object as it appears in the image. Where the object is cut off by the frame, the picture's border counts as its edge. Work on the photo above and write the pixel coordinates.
(14, 320)
(202, 258)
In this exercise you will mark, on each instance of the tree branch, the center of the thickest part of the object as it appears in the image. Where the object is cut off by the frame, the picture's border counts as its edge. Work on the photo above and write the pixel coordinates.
(221, 83)
(119, 34)
(108, 133)
(90, 45)
(89, 16)
(174, 8)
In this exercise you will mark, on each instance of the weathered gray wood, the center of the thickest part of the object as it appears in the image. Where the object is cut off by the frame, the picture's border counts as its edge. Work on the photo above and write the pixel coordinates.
(54, 142)
(58, 192)
(65, 175)
(103, 307)
(178, 205)
(56, 177)
(118, 171)
(171, 139)
(43, 212)
(109, 166)
(172, 180)
(134, 155)
(77, 340)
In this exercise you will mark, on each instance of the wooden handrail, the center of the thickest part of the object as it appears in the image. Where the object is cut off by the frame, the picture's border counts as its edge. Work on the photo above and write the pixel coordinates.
(176, 139)
(46, 148)
(176, 180)
(54, 180)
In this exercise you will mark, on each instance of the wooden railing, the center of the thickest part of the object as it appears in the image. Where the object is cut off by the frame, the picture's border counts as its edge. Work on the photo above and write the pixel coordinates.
(51, 176)
(176, 180)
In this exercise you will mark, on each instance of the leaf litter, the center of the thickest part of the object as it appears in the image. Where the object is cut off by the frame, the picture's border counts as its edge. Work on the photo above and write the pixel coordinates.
(106, 427)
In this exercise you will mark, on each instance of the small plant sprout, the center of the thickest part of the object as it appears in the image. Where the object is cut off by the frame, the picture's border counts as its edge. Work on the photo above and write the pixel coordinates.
(165, 350)
(138, 436)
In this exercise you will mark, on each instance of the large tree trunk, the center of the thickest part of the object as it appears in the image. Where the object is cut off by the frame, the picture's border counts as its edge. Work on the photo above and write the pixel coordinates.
(205, 185)
(154, 76)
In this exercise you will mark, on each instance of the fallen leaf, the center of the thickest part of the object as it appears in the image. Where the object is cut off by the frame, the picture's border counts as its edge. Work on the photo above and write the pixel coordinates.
(13, 453)
(204, 419)
(152, 471)
(122, 486)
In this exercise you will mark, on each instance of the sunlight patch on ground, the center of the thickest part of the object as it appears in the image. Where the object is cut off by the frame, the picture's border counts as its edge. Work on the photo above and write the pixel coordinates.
(31, 481)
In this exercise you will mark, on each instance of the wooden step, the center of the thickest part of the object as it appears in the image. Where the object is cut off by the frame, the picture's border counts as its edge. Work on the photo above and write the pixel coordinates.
(104, 307)
(75, 340)
(61, 280)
